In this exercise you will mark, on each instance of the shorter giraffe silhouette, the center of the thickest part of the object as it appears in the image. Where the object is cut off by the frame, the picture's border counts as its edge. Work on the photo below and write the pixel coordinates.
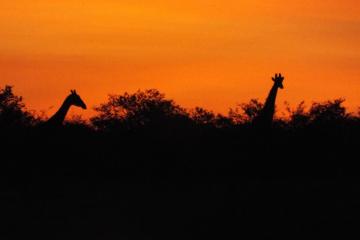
(265, 118)
(72, 100)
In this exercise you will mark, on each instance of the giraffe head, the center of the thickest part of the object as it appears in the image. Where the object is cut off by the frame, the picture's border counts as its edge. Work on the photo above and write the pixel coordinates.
(278, 80)
(75, 100)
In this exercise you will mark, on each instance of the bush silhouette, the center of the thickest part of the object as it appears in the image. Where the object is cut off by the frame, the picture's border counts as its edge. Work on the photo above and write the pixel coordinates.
(246, 112)
(330, 111)
(12, 110)
(202, 116)
(144, 167)
(142, 109)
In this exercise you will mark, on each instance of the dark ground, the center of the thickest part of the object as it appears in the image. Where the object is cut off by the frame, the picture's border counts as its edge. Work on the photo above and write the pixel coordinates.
(158, 172)
(80, 184)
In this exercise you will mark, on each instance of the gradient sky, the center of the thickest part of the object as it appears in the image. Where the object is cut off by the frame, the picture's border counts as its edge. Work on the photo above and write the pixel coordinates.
(206, 53)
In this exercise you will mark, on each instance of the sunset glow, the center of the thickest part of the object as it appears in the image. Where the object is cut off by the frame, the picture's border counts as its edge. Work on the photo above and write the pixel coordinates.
(213, 54)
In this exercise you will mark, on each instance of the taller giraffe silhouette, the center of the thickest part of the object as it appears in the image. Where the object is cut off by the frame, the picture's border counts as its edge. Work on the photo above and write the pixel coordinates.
(72, 100)
(265, 117)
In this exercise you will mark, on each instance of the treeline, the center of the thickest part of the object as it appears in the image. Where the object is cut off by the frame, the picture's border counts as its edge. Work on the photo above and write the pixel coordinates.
(144, 167)
(151, 109)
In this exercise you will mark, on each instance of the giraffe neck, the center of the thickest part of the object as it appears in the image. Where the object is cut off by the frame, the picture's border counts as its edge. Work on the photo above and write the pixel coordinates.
(266, 115)
(269, 106)
(59, 117)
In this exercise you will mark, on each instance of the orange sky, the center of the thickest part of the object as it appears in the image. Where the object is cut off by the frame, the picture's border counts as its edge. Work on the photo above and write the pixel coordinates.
(199, 52)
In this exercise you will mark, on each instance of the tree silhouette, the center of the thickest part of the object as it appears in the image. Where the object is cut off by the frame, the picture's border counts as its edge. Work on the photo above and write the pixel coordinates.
(153, 169)
(137, 110)
(330, 111)
(12, 109)
(298, 117)
(246, 112)
(202, 116)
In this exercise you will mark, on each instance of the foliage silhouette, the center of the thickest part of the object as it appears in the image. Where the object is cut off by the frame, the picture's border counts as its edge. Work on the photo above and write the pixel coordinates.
(246, 112)
(330, 111)
(146, 168)
(298, 117)
(12, 109)
(143, 109)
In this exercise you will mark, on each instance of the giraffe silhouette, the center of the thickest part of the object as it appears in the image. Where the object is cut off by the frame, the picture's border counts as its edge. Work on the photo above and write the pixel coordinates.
(266, 115)
(72, 100)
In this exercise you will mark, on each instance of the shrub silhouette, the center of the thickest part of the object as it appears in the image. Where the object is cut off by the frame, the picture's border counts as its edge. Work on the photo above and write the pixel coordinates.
(203, 175)
(147, 108)
(202, 116)
(298, 117)
(12, 109)
(330, 111)
(246, 112)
